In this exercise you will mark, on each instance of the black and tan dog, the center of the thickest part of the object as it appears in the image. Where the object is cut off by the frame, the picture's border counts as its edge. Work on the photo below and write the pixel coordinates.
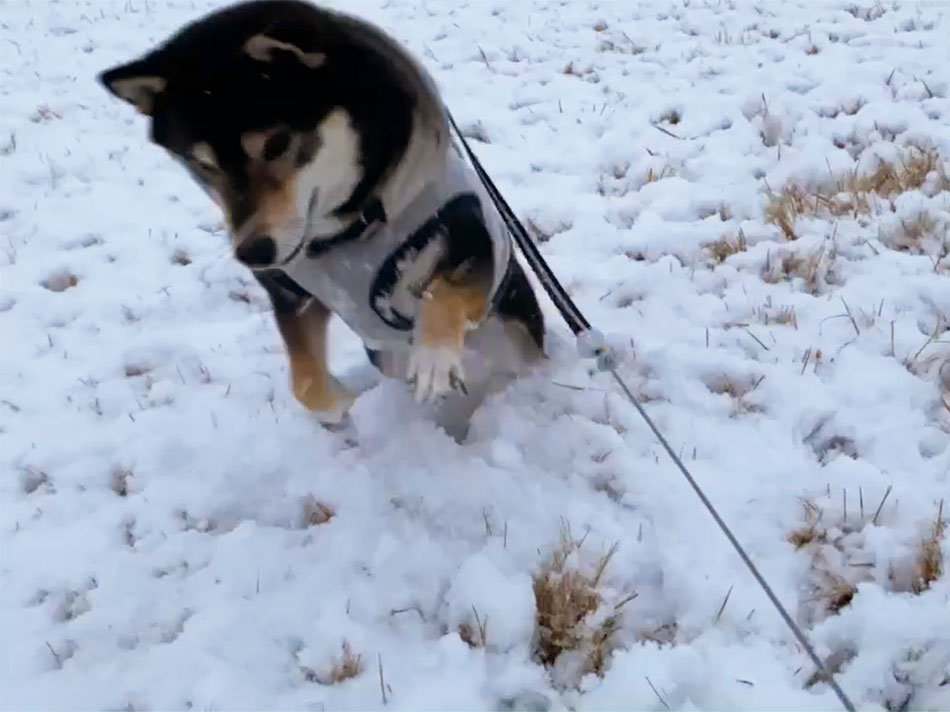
(328, 148)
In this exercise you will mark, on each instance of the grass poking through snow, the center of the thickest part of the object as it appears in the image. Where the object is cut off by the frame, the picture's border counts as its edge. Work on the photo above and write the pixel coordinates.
(568, 593)
(853, 195)
(841, 559)
(930, 555)
(727, 246)
(346, 667)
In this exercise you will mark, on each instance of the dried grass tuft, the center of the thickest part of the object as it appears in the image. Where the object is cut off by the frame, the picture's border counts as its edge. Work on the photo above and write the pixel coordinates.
(738, 390)
(838, 593)
(661, 635)
(920, 234)
(929, 566)
(833, 665)
(853, 195)
(727, 246)
(812, 269)
(60, 281)
(348, 667)
(783, 316)
(475, 635)
(315, 513)
(784, 208)
(666, 171)
(811, 532)
(565, 598)
(345, 668)
(134, 370)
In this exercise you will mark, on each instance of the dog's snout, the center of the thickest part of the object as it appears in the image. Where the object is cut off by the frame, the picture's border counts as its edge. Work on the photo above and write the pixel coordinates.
(257, 251)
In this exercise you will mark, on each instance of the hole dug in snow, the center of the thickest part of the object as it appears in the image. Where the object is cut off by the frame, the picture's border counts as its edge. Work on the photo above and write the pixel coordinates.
(576, 625)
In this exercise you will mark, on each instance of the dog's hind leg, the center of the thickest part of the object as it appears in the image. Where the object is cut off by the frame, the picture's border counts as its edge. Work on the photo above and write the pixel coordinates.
(386, 362)
(504, 346)
(519, 311)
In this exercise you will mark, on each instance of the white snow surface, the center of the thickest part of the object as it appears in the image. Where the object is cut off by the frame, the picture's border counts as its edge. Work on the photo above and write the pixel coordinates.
(162, 539)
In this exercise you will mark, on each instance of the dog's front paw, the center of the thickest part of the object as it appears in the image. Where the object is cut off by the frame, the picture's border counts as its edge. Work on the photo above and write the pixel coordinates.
(435, 371)
(329, 401)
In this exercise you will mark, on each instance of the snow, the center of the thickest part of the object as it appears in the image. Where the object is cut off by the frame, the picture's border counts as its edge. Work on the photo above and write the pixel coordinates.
(178, 534)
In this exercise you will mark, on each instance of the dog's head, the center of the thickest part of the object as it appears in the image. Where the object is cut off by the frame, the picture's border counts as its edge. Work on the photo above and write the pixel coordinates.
(279, 111)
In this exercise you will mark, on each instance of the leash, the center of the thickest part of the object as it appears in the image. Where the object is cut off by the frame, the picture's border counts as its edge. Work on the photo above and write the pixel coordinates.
(591, 344)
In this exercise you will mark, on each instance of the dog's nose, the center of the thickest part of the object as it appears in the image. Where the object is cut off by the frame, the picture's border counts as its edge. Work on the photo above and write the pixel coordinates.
(258, 251)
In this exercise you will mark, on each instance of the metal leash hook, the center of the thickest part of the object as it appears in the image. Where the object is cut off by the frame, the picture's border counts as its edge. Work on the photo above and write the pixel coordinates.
(592, 344)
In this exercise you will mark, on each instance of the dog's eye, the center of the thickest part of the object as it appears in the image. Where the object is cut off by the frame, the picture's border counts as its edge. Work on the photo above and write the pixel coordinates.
(276, 145)
(203, 160)
(206, 167)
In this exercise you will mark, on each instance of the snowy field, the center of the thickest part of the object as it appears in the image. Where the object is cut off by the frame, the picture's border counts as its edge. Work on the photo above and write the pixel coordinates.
(751, 198)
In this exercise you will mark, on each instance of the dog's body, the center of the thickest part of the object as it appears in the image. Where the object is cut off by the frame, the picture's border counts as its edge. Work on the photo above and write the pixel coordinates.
(328, 148)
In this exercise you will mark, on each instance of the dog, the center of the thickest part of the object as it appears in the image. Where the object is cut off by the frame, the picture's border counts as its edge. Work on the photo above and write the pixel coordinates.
(328, 148)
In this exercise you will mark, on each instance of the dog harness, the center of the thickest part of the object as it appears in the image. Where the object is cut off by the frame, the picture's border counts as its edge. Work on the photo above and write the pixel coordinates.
(373, 273)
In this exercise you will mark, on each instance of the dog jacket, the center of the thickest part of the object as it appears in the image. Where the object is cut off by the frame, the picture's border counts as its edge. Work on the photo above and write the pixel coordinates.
(372, 274)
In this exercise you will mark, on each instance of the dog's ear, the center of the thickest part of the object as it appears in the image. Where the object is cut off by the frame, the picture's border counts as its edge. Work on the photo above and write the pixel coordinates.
(137, 82)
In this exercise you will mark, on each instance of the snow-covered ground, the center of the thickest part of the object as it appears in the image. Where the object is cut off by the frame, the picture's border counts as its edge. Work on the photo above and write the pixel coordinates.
(177, 533)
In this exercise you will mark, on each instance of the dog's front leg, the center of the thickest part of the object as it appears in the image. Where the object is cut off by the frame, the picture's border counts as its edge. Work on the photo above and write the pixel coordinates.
(302, 321)
(448, 309)
(305, 336)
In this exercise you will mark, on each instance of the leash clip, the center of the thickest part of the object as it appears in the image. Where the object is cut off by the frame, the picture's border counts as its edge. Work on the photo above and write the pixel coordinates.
(592, 344)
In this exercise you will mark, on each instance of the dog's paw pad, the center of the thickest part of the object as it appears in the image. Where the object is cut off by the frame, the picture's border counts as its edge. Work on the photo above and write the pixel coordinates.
(435, 371)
